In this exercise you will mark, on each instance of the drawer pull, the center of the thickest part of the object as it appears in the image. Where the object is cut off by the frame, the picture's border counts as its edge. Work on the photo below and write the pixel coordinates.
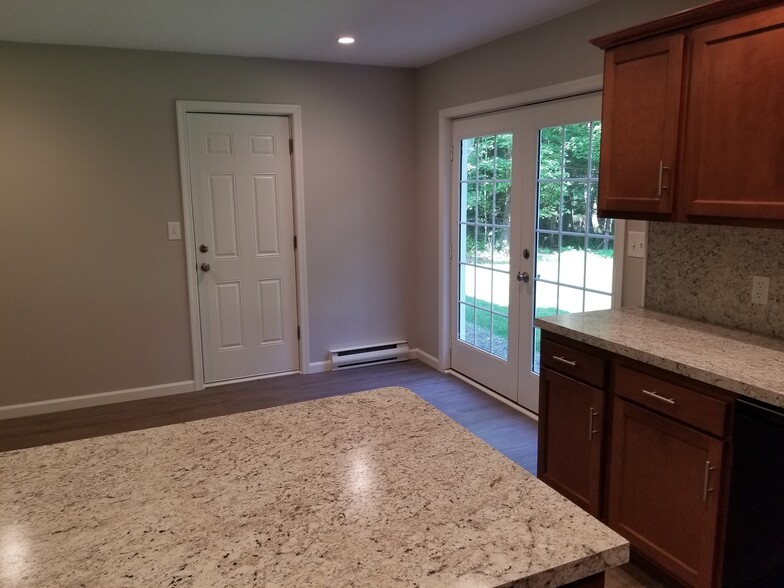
(706, 483)
(658, 397)
(591, 431)
(564, 360)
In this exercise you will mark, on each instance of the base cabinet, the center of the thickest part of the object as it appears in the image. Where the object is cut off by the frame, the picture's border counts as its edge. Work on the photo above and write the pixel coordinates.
(665, 491)
(571, 433)
(642, 449)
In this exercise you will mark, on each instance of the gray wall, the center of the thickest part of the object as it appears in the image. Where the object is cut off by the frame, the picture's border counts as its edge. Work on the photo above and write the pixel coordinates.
(554, 52)
(94, 296)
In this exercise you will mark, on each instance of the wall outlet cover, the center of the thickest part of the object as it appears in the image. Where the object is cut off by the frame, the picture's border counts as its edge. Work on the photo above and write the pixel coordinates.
(759, 289)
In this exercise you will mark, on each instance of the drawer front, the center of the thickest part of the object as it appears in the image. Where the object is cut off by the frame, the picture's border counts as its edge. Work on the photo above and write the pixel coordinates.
(573, 363)
(688, 406)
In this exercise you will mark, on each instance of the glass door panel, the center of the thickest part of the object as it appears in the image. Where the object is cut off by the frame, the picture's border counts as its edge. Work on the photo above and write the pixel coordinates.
(574, 248)
(483, 290)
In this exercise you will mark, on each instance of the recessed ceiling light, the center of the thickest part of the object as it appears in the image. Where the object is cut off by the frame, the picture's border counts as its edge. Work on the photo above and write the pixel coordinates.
(346, 40)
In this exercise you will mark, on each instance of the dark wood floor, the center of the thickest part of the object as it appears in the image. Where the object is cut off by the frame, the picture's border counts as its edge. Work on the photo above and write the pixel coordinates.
(506, 429)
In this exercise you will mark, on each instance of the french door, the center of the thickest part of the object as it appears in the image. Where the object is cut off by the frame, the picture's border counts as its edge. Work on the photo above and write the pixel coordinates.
(526, 240)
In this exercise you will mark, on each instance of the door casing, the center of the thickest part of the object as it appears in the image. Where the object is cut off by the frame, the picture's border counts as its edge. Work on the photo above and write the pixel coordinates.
(294, 114)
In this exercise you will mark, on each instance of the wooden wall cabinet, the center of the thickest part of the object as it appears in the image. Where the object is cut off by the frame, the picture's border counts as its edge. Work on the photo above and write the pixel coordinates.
(693, 128)
(640, 114)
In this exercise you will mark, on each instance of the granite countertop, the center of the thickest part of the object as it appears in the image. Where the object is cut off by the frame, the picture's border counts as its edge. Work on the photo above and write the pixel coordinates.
(377, 488)
(739, 361)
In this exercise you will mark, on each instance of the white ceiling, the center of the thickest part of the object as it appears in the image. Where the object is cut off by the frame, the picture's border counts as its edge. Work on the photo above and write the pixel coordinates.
(403, 33)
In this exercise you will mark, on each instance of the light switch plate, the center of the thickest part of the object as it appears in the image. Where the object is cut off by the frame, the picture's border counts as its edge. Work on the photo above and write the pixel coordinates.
(174, 231)
(636, 244)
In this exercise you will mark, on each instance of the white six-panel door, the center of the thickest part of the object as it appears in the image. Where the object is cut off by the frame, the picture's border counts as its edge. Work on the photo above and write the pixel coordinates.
(240, 172)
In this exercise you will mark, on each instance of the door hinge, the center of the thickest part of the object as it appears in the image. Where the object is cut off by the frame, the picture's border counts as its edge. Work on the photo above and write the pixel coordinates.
(298, 333)
(295, 241)
(291, 146)
(452, 153)
(450, 252)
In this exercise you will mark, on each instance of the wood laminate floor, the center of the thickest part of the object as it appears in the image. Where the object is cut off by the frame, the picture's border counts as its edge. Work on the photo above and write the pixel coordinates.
(509, 431)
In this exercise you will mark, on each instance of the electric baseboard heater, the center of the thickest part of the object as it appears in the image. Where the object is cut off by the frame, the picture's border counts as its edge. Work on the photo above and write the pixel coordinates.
(355, 357)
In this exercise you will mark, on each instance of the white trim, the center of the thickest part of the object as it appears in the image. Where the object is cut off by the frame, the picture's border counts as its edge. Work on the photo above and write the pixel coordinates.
(87, 400)
(619, 260)
(644, 265)
(496, 395)
(294, 113)
(426, 358)
(445, 118)
(318, 367)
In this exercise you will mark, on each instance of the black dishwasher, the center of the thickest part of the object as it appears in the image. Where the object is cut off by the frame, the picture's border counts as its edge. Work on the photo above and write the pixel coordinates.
(754, 549)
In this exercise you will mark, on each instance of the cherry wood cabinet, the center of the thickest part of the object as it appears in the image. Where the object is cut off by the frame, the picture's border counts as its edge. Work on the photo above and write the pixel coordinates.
(733, 162)
(640, 448)
(640, 113)
(571, 431)
(693, 128)
(572, 390)
(664, 494)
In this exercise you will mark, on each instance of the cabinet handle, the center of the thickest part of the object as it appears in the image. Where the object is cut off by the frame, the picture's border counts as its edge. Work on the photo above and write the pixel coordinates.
(564, 360)
(591, 431)
(706, 483)
(659, 397)
(662, 169)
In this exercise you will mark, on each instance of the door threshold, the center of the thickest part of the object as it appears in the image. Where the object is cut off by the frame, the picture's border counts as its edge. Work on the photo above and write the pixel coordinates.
(493, 393)
(250, 378)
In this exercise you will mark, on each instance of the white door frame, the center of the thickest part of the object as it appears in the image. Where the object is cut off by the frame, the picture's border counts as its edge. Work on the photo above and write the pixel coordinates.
(294, 114)
(445, 118)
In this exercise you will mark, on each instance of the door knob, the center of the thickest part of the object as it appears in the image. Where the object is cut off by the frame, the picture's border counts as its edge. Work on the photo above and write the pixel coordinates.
(205, 267)
(203, 248)
(523, 277)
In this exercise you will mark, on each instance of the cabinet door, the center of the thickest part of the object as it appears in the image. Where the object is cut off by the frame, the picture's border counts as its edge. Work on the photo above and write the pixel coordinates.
(734, 138)
(640, 113)
(664, 493)
(571, 417)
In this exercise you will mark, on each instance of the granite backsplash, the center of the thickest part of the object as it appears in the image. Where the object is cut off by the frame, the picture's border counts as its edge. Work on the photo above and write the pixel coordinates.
(704, 272)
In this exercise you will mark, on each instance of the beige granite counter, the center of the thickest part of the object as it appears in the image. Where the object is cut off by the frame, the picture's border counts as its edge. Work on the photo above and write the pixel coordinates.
(739, 361)
(370, 489)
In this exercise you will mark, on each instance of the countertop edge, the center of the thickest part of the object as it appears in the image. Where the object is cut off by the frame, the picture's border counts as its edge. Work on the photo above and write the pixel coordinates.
(576, 570)
(689, 370)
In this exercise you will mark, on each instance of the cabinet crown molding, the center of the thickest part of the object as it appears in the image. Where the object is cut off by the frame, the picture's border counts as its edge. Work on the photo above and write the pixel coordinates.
(682, 20)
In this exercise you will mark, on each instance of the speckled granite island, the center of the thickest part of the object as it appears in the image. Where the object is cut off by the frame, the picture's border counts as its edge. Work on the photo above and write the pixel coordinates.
(370, 489)
(741, 362)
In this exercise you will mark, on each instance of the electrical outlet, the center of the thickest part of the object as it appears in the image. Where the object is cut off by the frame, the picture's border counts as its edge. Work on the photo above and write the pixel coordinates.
(174, 231)
(759, 290)
(636, 246)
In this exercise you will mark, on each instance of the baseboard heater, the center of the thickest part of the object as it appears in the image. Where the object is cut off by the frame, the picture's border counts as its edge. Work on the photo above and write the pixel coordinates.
(373, 355)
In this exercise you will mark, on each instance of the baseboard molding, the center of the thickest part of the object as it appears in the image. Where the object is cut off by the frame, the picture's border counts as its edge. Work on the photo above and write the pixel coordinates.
(72, 402)
(426, 358)
(317, 367)
(495, 395)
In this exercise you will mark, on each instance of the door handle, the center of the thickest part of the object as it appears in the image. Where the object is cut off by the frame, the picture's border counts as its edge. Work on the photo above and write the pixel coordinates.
(205, 267)
(523, 277)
